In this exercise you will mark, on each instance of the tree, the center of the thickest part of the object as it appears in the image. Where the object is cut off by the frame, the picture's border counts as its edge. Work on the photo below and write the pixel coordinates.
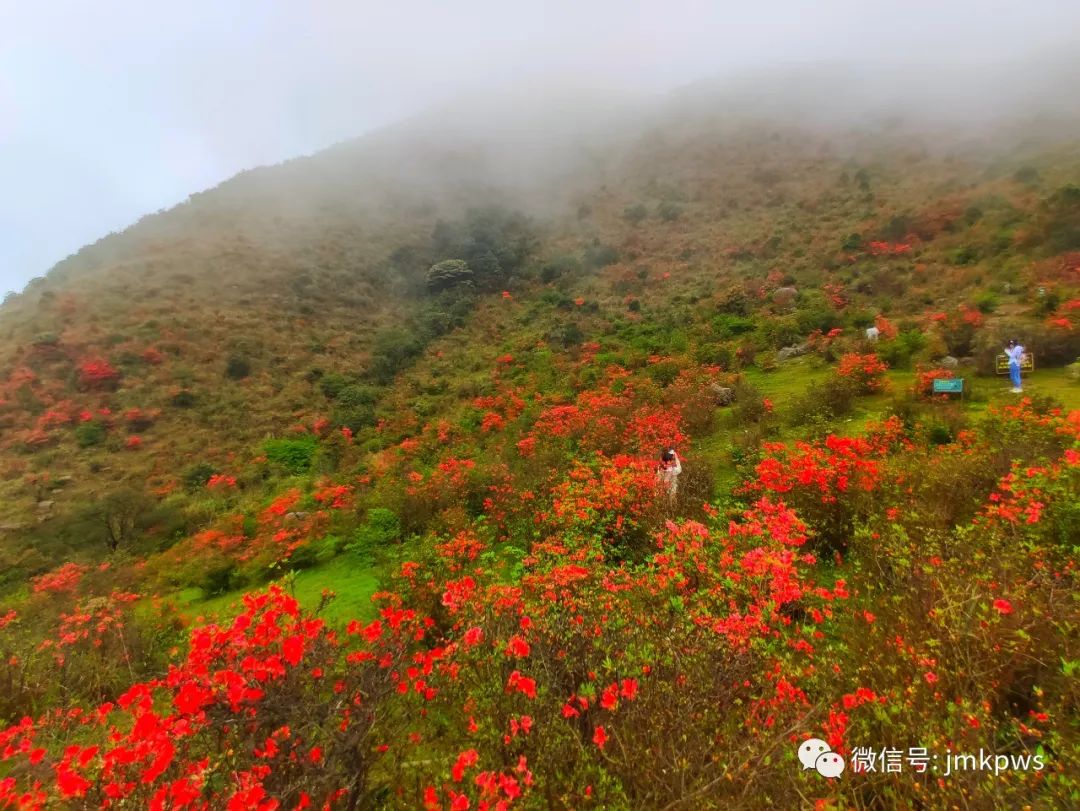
(119, 512)
(448, 273)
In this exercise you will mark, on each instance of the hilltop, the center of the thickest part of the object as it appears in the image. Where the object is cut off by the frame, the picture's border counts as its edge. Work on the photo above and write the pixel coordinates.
(437, 368)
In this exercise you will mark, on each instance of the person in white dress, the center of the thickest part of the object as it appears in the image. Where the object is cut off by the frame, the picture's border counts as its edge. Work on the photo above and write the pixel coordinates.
(667, 472)
(1016, 354)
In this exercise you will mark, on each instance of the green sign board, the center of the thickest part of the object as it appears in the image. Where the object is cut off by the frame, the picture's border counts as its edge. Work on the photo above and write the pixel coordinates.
(953, 386)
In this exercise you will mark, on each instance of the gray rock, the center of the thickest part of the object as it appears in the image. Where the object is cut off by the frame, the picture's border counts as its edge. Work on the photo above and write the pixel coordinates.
(723, 395)
(967, 362)
(45, 506)
(296, 516)
(793, 351)
(948, 362)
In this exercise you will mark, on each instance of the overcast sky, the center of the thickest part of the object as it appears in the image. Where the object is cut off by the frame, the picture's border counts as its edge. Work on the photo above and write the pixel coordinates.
(110, 110)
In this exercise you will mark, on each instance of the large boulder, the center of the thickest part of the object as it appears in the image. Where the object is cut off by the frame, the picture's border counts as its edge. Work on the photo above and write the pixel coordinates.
(948, 362)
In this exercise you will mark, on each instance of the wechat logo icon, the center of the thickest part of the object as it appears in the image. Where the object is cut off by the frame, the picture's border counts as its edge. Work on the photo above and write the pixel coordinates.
(815, 753)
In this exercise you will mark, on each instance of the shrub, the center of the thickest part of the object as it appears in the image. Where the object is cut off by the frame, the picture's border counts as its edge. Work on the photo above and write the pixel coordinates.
(899, 351)
(218, 578)
(734, 301)
(1027, 175)
(567, 335)
(237, 367)
(924, 380)
(823, 402)
(183, 399)
(959, 329)
(332, 384)
(669, 211)
(1059, 220)
(382, 527)
(598, 256)
(394, 349)
(865, 372)
(664, 372)
(852, 243)
(197, 476)
(98, 374)
(312, 553)
(295, 455)
(90, 433)
(635, 213)
(559, 266)
(987, 301)
(355, 407)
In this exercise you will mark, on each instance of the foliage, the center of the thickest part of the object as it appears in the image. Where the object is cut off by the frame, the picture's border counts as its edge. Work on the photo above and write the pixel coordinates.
(237, 367)
(90, 433)
(295, 455)
(448, 273)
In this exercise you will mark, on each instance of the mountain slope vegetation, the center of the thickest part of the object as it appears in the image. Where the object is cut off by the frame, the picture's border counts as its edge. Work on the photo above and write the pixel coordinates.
(336, 483)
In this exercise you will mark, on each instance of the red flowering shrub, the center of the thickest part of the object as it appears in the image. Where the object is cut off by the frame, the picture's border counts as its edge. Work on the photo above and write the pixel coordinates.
(959, 328)
(64, 579)
(96, 373)
(831, 484)
(865, 372)
(888, 248)
(924, 380)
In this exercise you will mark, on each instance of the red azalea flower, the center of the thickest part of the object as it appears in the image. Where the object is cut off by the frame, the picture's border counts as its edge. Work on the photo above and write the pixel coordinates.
(600, 737)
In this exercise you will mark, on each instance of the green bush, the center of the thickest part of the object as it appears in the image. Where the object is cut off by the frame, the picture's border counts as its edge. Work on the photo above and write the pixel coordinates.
(899, 351)
(852, 243)
(355, 407)
(1026, 174)
(218, 579)
(559, 266)
(987, 301)
(90, 433)
(382, 527)
(669, 211)
(824, 402)
(332, 384)
(312, 554)
(183, 399)
(294, 455)
(237, 368)
(665, 372)
(598, 256)
(635, 213)
(727, 325)
(196, 476)
(394, 349)
(567, 335)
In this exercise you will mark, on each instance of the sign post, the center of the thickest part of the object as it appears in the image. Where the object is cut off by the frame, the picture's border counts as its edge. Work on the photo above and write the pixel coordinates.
(954, 385)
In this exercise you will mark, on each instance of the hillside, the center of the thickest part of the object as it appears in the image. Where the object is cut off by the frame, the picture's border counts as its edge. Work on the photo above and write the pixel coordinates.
(290, 380)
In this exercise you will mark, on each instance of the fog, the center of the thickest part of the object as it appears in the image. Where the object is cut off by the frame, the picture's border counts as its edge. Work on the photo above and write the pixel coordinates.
(111, 110)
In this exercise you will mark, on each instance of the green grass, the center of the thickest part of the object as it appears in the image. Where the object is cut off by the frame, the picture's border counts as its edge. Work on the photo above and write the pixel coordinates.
(352, 580)
(790, 380)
